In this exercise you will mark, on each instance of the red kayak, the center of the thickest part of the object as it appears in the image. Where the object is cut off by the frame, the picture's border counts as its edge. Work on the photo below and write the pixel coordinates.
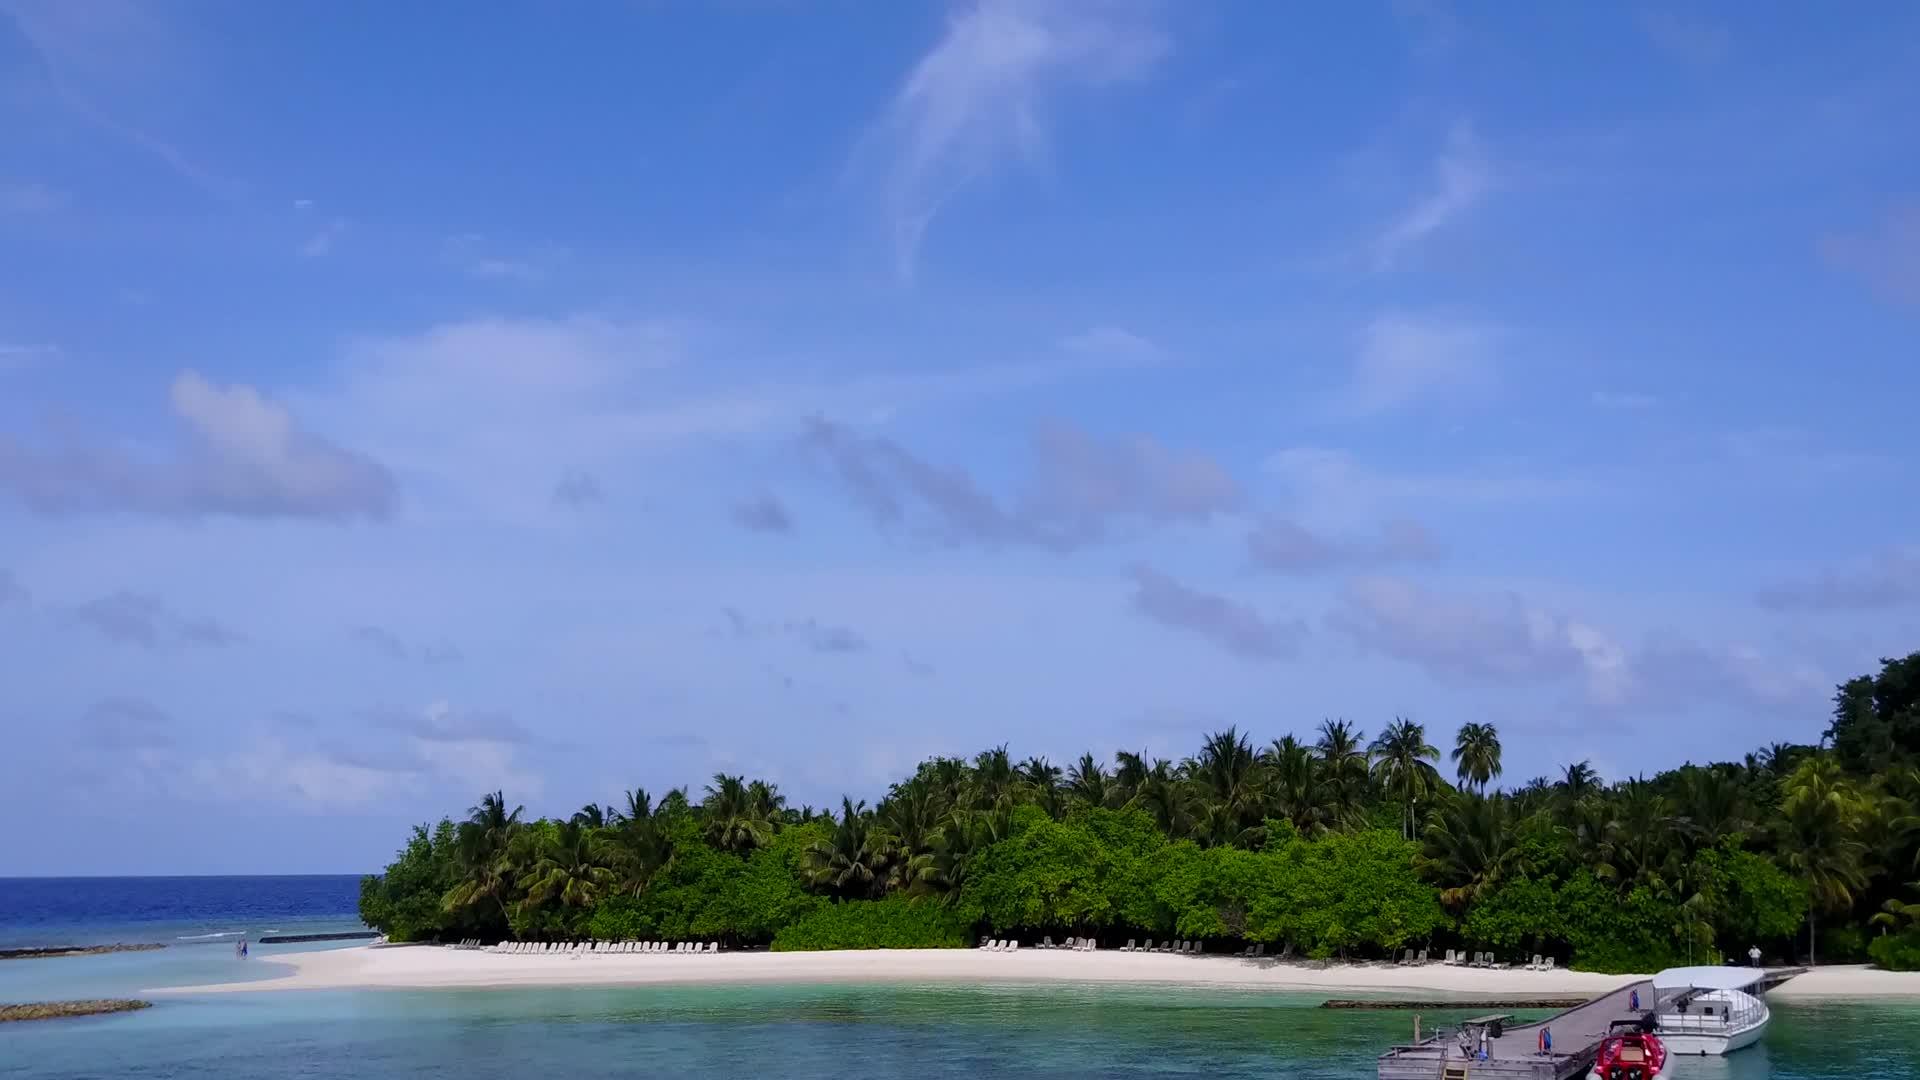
(1630, 1055)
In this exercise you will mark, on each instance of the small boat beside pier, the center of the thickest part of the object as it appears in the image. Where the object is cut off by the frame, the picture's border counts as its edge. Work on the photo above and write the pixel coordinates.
(1561, 1047)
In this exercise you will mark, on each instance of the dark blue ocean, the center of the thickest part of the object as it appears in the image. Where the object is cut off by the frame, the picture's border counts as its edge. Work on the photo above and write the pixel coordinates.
(803, 1032)
(172, 910)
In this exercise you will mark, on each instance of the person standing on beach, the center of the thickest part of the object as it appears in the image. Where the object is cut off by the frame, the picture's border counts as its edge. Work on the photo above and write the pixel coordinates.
(1753, 956)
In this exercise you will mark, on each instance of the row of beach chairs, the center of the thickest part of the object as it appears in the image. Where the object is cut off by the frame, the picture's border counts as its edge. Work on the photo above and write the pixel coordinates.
(998, 945)
(1077, 944)
(603, 948)
(1185, 948)
(1485, 960)
(468, 943)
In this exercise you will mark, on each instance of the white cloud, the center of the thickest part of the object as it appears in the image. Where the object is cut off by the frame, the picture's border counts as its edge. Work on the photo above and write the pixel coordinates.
(105, 60)
(1112, 342)
(320, 244)
(246, 457)
(979, 98)
(14, 357)
(1887, 255)
(1462, 177)
(1623, 400)
(1687, 38)
(1404, 357)
(1499, 638)
(30, 198)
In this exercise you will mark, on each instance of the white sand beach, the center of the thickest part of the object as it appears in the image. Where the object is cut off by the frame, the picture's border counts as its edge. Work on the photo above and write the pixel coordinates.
(431, 967)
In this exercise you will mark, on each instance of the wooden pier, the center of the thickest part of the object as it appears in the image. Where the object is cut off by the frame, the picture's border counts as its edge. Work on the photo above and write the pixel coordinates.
(1516, 1055)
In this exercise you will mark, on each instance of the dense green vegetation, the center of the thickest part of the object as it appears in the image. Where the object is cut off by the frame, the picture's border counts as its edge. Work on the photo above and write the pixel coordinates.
(1334, 847)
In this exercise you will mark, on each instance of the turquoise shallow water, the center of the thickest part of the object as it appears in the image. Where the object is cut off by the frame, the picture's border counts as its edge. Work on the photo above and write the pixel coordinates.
(799, 1032)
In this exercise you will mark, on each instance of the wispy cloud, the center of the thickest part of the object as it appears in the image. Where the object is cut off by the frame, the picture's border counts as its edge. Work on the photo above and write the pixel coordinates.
(980, 97)
(104, 58)
(1288, 547)
(1462, 177)
(1231, 625)
(12, 593)
(16, 356)
(475, 255)
(133, 618)
(1404, 357)
(814, 635)
(394, 647)
(1496, 638)
(1500, 638)
(1889, 580)
(1080, 487)
(1686, 37)
(1623, 400)
(1112, 342)
(577, 489)
(763, 514)
(245, 457)
(1886, 255)
(320, 244)
(26, 198)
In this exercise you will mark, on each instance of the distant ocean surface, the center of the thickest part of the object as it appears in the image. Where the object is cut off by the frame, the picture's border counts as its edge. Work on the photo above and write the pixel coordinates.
(701, 1032)
(172, 910)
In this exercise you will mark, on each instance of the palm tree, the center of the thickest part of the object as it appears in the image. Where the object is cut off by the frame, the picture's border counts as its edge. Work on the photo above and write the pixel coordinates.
(1468, 847)
(1042, 779)
(993, 778)
(1164, 798)
(1227, 774)
(1403, 763)
(481, 855)
(1476, 755)
(853, 861)
(1577, 781)
(766, 802)
(1088, 782)
(1710, 803)
(639, 807)
(594, 816)
(1129, 774)
(1343, 767)
(732, 821)
(1821, 814)
(1294, 787)
(571, 867)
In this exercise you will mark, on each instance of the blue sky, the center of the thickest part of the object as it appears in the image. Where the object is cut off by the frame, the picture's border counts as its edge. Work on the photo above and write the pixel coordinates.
(395, 407)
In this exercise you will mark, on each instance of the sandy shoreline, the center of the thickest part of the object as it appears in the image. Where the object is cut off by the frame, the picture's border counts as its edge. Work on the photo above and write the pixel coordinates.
(430, 968)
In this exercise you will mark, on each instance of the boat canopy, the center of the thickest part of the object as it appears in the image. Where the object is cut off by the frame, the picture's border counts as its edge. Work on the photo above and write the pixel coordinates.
(1708, 978)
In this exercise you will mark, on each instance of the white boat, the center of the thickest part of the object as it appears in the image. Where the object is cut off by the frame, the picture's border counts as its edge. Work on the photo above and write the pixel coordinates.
(1709, 1010)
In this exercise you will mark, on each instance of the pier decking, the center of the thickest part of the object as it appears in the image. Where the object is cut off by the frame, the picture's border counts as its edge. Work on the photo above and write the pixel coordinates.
(1515, 1055)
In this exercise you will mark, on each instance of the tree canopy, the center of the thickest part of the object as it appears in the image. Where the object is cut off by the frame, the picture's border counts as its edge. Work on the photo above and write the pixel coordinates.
(1336, 846)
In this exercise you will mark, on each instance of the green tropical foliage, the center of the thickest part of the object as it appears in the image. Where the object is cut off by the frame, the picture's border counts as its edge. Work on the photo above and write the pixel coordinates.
(1328, 846)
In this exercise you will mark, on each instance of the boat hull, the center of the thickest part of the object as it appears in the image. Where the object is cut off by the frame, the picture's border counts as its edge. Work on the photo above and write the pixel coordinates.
(1691, 1045)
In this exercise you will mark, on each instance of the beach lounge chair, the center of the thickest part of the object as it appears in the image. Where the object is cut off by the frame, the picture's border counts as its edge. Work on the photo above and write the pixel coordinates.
(1536, 964)
(1550, 963)
(1148, 947)
(984, 942)
(1260, 949)
(1128, 947)
(1422, 958)
(713, 946)
(1046, 942)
